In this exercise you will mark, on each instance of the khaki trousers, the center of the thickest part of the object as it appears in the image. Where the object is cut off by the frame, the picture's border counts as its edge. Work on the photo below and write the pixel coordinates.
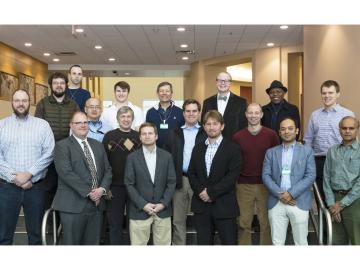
(249, 195)
(181, 204)
(140, 231)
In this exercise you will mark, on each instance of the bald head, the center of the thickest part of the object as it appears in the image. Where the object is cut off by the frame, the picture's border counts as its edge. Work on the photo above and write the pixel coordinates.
(93, 109)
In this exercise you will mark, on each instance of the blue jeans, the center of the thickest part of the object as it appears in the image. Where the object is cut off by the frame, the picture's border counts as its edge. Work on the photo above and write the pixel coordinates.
(33, 203)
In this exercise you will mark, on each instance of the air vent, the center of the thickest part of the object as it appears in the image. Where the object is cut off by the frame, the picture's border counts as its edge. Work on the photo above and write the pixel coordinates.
(65, 53)
(185, 52)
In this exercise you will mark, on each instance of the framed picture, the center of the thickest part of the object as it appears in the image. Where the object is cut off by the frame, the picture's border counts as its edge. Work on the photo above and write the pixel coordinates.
(8, 84)
(41, 91)
(27, 82)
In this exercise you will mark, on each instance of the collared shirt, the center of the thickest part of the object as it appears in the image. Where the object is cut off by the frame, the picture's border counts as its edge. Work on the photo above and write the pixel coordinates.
(323, 129)
(26, 145)
(286, 160)
(189, 143)
(80, 141)
(108, 116)
(342, 172)
(97, 130)
(150, 158)
(221, 104)
(211, 151)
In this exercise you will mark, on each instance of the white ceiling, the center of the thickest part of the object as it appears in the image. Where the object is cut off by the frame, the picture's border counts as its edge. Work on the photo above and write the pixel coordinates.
(144, 44)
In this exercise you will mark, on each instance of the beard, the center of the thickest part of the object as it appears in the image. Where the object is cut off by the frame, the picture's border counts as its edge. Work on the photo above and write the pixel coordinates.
(21, 114)
(57, 94)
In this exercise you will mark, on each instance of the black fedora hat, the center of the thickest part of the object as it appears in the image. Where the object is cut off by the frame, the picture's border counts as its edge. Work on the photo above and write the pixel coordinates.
(276, 84)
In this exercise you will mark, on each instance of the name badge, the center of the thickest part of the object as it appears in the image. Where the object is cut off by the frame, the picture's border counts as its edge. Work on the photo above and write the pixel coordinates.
(164, 126)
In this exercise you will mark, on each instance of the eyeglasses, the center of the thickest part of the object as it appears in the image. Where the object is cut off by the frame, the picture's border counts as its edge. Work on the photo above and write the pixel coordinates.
(223, 81)
(80, 123)
(94, 107)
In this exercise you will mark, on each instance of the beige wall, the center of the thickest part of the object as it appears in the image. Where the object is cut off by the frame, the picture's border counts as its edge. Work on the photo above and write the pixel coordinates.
(331, 52)
(141, 87)
(13, 61)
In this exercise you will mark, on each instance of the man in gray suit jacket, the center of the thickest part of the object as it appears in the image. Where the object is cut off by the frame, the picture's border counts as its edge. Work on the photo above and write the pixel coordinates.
(150, 181)
(84, 177)
(289, 172)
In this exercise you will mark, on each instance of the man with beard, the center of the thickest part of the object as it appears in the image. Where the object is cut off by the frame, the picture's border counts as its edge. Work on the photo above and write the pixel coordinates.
(26, 150)
(214, 168)
(57, 109)
(74, 90)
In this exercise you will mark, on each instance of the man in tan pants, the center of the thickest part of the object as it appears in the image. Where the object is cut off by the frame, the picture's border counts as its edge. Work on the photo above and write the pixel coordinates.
(254, 141)
(150, 182)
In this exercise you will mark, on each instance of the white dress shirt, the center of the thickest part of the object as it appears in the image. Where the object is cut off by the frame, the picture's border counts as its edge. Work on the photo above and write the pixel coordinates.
(150, 158)
(221, 104)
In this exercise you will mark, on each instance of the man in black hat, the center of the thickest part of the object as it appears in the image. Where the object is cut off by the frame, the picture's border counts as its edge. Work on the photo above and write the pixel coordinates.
(278, 108)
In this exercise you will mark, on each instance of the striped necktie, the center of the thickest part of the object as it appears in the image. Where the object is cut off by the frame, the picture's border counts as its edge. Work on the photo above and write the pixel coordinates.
(91, 164)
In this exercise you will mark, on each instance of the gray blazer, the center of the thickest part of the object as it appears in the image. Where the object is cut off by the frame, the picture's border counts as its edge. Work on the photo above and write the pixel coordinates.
(74, 182)
(302, 177)
(142, 190)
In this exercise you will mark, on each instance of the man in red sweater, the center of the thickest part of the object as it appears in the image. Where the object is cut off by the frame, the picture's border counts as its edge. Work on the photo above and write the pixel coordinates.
(254, 141)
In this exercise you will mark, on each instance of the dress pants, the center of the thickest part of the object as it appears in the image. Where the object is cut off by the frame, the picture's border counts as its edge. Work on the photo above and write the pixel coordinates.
(83, 228)
(115, 215)
(181, 202)
(279, 217)
(206, 223)
(33, 202)
(348, 230)
(140, 231)
(247, 196)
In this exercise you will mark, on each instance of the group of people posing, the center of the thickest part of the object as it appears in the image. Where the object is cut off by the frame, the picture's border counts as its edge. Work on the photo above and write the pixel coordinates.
(222, 162)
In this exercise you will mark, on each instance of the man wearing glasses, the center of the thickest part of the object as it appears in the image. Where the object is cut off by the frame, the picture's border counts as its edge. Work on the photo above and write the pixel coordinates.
(97, 128)
(84, 178)
(231, 106)
(57, 110)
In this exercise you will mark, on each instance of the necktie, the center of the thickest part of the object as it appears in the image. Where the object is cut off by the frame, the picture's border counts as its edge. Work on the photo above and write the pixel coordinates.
(91, 164)
(224, 98)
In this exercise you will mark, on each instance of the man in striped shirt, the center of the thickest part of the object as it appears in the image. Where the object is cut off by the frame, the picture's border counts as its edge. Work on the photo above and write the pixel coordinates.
(26, 150)
(323, 127)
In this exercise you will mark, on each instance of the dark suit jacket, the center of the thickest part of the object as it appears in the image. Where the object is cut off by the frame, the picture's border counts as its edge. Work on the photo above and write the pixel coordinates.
(221, 183)
(142, 190)
(234, 114)
(74, 182)
(287, 110)
(174, 144)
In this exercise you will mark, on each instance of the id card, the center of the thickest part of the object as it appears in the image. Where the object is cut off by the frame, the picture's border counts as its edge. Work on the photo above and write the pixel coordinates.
(164, 126)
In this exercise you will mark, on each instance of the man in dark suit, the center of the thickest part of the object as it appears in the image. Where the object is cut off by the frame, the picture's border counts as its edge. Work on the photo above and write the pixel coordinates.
(231, 107)
(150, 181)
(278, 108)
(214, 168)
(84, 177)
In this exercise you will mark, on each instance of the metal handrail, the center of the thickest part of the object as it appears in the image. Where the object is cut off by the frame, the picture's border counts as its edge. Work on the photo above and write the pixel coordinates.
(323, 211)
(56, 232)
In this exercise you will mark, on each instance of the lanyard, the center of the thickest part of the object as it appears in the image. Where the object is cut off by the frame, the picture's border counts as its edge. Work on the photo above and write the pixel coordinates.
(165, 119)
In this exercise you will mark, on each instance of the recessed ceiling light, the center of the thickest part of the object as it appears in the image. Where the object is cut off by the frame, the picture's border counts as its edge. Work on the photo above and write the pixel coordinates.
(185, 58)
(127, 73)
(56, 59)
(46, 54)
(28, 44)
(183, 45)
(270, 44)
(79, 30)
(98, 47)
(181, 29)
(284, 27)
(111, 59)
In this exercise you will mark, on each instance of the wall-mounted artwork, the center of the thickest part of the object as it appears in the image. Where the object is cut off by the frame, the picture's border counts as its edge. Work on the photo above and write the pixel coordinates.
(27, 83)
(8, 84)
(41, 91)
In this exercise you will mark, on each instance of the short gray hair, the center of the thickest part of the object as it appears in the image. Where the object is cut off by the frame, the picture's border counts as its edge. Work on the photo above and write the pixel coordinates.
(124, 109)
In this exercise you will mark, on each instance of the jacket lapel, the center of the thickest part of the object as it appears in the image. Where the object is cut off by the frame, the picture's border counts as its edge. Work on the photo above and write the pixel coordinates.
(214, 102)
(78, 148)
(157, 166)
(229, 104)
(279, 157)
(142, 164)
(295, 158)
(96, 156)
